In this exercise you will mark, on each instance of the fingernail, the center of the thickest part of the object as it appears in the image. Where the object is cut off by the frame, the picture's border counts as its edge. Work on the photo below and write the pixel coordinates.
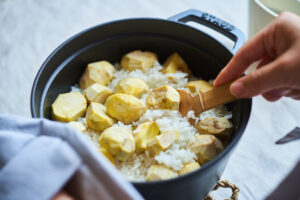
(215, 83)
(237, 89)
(218, 82)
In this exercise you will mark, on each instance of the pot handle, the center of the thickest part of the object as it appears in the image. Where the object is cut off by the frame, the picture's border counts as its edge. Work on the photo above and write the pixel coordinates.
(214, 23)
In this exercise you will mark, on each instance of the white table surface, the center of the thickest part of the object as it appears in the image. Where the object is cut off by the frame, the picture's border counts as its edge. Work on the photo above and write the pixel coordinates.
(30, 30)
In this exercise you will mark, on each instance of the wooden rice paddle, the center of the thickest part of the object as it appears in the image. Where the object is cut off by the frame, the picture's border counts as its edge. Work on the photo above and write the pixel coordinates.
(204, 101)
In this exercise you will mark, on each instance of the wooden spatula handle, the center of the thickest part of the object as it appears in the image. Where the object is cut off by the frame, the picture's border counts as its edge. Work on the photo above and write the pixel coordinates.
(216, 96)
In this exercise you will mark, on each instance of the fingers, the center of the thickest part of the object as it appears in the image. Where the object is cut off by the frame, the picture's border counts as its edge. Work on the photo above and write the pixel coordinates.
(253, 50)
(278, 48)
(62, 196)
(260, 81)
(275, 94)
(266, 60)
(296, 98)
(293, 93)
(271, 97)
(273, 80)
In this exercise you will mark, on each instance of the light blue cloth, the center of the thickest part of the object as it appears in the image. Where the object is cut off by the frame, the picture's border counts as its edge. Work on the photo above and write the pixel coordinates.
(39, 157)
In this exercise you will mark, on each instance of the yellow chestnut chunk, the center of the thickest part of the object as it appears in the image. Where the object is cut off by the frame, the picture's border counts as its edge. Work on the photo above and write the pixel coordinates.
(98, 72)
(174, 64)
(142, 60)
(200, 85)
(143, 133)
(219, 127)
(118, 141)
(77, 125)
(163, 97)
(206, 147)
(69, 106)
(162, 142)
(189, 168)
(107, 155)
(97, 93)
(160, 172)
(134, 86)
(124, 107)
(96, 118)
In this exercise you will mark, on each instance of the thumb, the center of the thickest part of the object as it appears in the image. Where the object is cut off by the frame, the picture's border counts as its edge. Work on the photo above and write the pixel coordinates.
(264, 79)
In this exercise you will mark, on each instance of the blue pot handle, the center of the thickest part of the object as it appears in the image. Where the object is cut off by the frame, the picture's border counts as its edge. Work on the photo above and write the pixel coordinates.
(214, 23)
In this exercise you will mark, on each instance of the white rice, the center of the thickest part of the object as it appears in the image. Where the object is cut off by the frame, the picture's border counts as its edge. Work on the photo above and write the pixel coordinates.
(175, 157)
(76, 88)
(153, 77)
(219, 111)
(135, 168)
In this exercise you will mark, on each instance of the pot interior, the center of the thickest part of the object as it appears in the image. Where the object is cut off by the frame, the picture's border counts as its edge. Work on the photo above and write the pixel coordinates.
(68, 73)
(70, 70)
(204, 56)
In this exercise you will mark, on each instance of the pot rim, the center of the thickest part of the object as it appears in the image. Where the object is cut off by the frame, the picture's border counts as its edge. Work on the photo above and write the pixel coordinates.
(203, 168)
(62, 45)
(265, 8)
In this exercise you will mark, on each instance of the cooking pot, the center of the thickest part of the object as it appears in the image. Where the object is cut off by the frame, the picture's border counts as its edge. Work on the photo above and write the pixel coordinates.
(204, 55)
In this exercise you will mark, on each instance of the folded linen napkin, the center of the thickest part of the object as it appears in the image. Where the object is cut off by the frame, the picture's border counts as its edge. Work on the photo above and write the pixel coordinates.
(39, 157)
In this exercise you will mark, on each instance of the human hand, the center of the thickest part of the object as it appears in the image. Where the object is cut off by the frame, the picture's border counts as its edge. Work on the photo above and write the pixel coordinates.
(278, 73)
(61, 195)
